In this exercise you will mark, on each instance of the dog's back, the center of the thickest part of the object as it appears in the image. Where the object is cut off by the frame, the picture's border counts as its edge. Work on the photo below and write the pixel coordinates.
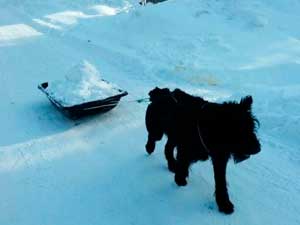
(193, 103)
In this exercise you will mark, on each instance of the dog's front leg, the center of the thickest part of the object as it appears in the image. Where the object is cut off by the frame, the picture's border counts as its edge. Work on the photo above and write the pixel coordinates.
(222, 198)
(169, 154)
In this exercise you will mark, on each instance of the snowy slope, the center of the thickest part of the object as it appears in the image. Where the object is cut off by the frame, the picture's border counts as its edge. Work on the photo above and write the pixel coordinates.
(95, 171)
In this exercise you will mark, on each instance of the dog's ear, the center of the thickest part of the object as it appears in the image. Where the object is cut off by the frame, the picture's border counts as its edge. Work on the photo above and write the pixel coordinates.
(246, 102)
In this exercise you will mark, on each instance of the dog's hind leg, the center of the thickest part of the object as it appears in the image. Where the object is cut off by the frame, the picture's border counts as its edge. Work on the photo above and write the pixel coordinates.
(169, 154)
(150, 145)
(221, 193)
(153, 136)
(154, 128)
(182, 167)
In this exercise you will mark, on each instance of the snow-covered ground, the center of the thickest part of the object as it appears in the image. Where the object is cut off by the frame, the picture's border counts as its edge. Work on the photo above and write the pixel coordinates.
(95, 171)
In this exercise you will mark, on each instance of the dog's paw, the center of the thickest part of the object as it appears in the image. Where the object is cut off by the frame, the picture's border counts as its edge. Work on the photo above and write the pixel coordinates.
(180, 181)
(226, 207)
(150, 147)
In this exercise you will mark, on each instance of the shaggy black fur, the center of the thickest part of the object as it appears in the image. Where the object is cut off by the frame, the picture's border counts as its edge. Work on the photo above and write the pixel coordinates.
(200, 129)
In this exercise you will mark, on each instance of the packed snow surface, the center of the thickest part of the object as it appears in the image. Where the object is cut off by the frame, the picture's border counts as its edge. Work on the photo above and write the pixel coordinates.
(95, 171)
(82, 84)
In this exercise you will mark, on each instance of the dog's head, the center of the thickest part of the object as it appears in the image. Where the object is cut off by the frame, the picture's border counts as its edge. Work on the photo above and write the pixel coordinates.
(241, 131)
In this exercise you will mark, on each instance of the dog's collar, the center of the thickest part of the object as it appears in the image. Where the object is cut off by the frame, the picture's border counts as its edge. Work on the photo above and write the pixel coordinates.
(203, 106)
(198, 128)
(173, 97)
(199, 131)
(201, 138)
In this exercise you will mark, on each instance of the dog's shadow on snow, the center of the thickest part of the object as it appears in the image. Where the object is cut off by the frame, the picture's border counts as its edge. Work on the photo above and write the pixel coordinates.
(153, 177)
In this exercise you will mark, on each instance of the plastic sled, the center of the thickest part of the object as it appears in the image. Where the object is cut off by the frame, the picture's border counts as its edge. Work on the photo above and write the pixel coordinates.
(86, 108)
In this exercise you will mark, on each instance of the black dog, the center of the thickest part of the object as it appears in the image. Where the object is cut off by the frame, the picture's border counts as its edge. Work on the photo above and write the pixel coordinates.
(201, 129)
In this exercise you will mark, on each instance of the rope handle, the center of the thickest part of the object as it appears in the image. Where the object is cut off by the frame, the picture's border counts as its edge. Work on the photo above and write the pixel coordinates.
(113, 103)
